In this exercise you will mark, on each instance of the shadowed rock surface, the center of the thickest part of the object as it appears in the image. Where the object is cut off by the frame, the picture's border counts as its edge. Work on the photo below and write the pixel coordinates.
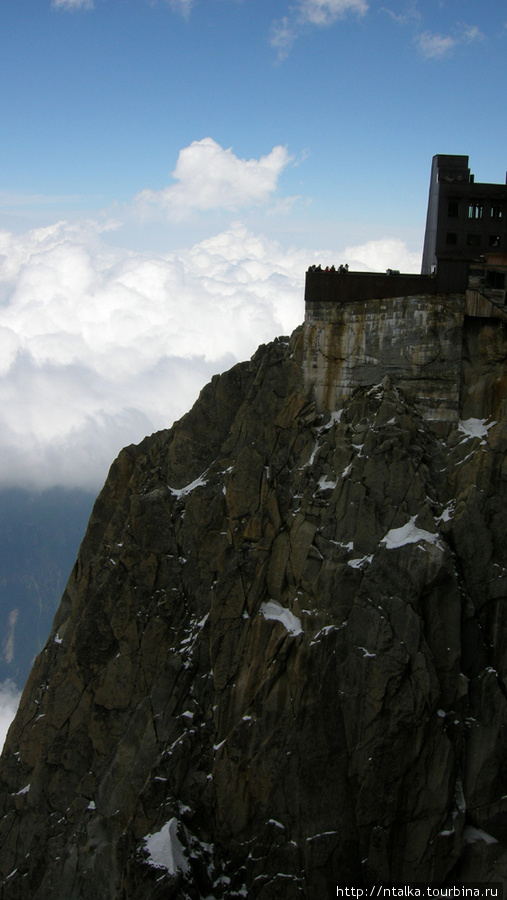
(280, 661)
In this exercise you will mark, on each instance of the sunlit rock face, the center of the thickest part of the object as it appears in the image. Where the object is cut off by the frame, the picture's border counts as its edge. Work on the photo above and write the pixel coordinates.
(446, 363)
(417, 340)
(280, 660)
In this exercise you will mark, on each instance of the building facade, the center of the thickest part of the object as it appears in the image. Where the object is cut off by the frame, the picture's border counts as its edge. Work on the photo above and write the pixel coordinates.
(466, 225)
(465, 251)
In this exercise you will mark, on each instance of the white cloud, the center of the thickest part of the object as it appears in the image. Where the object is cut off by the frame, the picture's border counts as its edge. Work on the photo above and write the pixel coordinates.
(435, 45)
(182, 6)
(325, 12)
(282, 36)
(209, 177)
(470, 33)
(72, 4)
(379, 255)
(409, 15)
(100, 346)
(322, 13)
(9, 700)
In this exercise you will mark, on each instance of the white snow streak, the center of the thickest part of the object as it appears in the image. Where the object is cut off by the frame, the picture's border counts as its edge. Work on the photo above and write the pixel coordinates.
(182, 492)
(165, 850)
(359, 563)
(475, 427)
(471, 835)
(409, 534)
(325, 485)
(275, 611)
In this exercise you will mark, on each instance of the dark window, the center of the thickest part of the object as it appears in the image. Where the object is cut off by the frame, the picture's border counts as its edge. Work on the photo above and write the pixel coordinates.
(494, 240)
(451, 237)
(497, 212)
(452, 210)
(475, 210)
(495, 280)
(473, 240)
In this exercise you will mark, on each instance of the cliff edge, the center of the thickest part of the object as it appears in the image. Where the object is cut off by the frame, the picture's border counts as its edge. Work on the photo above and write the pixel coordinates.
(280, 662)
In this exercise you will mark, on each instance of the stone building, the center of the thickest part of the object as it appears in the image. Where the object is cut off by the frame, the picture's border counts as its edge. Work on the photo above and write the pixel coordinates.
(466, 224)
(428, 331)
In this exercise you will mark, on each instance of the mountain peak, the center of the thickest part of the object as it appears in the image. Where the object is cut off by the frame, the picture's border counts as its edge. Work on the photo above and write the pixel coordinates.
(278, 664)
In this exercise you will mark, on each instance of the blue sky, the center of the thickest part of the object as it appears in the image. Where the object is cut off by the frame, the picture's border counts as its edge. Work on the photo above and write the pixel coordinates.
(169, 169)
(98, 98)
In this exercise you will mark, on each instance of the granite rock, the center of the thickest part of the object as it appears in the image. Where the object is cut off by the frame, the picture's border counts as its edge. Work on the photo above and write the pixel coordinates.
(280, 661)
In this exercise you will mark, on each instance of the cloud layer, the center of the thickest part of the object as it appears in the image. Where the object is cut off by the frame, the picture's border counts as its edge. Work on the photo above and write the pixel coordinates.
(9, 699)
(100, 345)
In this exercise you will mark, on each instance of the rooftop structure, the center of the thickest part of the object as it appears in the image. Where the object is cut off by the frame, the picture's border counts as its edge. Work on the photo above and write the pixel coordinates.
(465, 250)
(466, 224)
(434, 334)
(330, 285)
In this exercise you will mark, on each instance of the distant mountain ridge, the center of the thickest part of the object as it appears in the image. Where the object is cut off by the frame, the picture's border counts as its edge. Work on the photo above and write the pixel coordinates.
(279, 663)
(40, 533)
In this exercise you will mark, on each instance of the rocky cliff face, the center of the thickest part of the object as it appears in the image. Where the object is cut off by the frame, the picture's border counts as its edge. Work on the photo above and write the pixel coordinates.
(280, 662)
(426, 343)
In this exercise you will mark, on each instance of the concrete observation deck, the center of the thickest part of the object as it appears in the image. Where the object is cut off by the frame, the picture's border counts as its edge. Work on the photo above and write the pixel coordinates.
(344, 287)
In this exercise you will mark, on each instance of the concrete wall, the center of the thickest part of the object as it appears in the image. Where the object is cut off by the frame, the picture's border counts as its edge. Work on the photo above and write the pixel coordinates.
(416, 340)
(324, 287)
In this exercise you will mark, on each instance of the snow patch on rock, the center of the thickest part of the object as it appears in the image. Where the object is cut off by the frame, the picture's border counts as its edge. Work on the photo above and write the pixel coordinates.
(165, 850)
(275, 611)
(409, 534)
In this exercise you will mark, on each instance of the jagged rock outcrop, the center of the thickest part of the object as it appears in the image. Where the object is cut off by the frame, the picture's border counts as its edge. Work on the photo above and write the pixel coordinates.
(280, 662)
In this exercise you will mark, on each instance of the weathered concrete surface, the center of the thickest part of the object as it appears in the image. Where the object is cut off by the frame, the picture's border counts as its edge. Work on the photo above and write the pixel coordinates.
(280, 662)
(415, 340)
(484, 368)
